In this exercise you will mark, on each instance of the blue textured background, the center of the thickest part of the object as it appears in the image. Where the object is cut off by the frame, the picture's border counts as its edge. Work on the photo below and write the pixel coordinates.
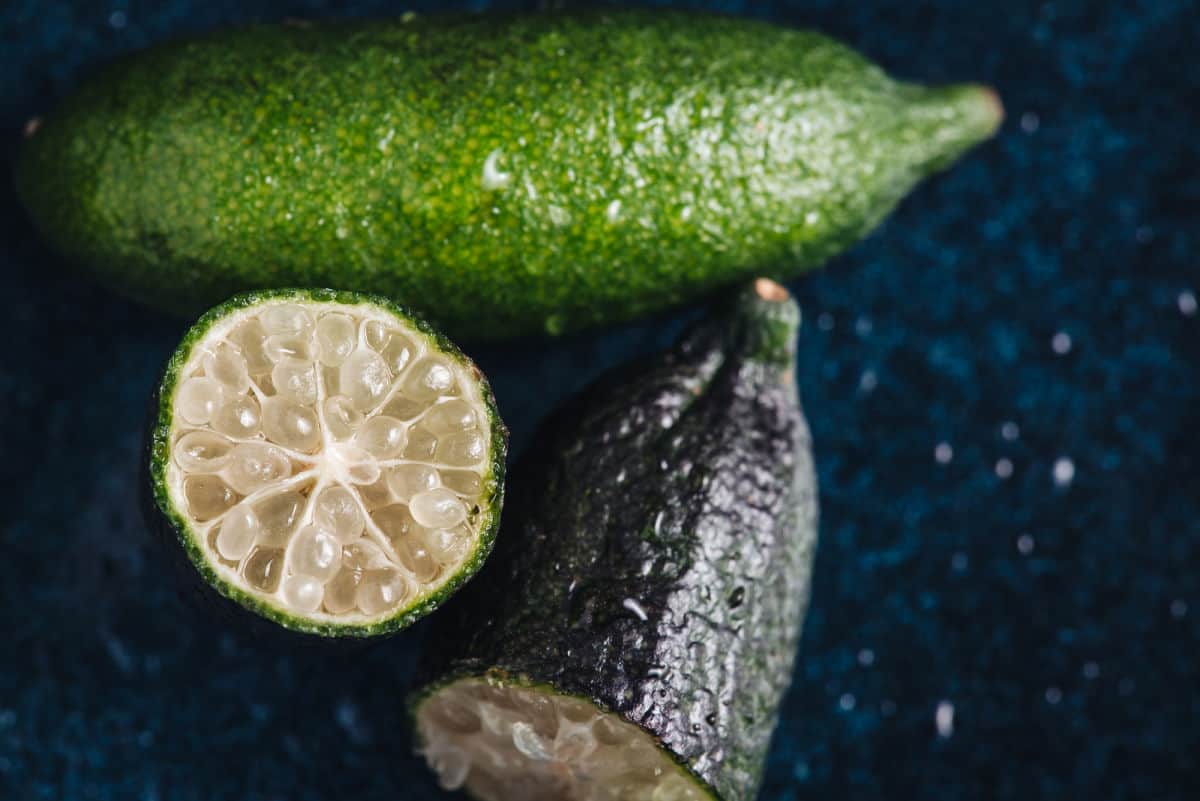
(1059, 619)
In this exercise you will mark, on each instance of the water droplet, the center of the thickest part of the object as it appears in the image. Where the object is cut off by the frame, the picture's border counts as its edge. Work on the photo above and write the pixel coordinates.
(636, 608)
(613, 212)
(493, 177)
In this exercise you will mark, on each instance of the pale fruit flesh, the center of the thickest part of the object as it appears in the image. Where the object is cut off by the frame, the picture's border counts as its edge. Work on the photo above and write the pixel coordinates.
(303, 431)
(511, 743)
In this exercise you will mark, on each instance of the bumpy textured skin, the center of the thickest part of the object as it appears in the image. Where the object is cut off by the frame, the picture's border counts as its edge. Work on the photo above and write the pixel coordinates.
(177, 533)
(686, 487)
(501, 175)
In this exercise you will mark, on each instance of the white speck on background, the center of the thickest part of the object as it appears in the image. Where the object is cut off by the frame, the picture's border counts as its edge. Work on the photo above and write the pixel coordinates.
(1025, 544)
(1064, 472)
(350, 719)
(1186, 302)
(944, 719)
(943, 453)
(1053, 695)
(847, 702)
(866, 657)
(1179, 607)
(1030, 122)
(1061, 343)
(1004, 468)
(1010, 430)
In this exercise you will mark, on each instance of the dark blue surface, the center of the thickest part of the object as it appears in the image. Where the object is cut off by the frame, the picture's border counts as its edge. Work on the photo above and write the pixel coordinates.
(1059, 620)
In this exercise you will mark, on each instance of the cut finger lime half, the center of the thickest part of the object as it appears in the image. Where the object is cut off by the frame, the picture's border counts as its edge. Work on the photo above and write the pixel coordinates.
(505, 740)
(327, 460)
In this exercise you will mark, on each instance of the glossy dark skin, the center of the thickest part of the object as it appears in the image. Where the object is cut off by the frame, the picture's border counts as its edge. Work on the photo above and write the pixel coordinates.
(499, 175)
(683, 492)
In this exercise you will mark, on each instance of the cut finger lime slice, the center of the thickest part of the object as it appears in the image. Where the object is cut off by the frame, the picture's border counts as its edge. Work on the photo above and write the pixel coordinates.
(501, 741)
(327, 460)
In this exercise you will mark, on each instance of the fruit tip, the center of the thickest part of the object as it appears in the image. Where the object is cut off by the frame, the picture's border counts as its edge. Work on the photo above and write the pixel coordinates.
(995, 104)
(768, 322)
(978, 108)
(767, 289)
